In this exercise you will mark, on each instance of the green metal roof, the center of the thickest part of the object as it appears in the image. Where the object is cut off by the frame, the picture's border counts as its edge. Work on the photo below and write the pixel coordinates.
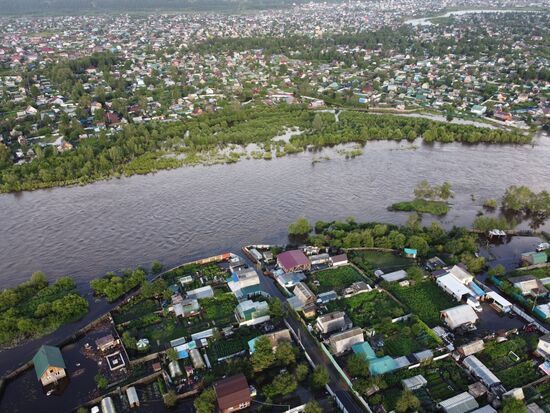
(364, 349)
(47, 356)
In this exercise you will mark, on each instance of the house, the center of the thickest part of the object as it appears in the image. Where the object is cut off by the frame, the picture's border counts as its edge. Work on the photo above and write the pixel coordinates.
(461, 274)
(187, 308)
(543, 346)
(377, 365)
(459, 316)
(304, 294)
(49, 365)
(335, 321)
(339, 260)
(478, 110)
(294, 260)
(327, 297)
(105, 343)
(461, 403)
(341, 342)
(471, 348)
(244, 283)
(202, 292)
(357, 287)
(534, 258)
(289, 279)
(232, 393)
(529, 285)
(502, 116)
(434, 263)
(319, 259)
(453, 287)
(252, 312)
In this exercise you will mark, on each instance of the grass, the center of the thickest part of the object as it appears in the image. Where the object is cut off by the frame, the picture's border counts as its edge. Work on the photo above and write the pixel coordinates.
(437, 208)
(218, 307)
(425, 299)
(518, 375)
(369, 261)
(135, 309)
(369, 310)
(334, 279)
(535, 272)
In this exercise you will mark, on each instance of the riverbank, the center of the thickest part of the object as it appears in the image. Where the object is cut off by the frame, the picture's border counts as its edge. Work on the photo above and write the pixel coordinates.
(262, 127)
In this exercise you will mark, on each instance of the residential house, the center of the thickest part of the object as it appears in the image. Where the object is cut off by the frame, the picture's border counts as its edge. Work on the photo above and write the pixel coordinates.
(294, 260)
(461, 403)
(543, 346)
(232, 393)
(49, 365)
(335, 321)
(339, 260)
(304, 294)
(529, 285)
(252, 312)
(459, 316)
(341, 342)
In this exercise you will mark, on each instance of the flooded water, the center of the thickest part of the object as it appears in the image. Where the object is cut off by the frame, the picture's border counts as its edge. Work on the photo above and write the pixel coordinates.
(187, 213)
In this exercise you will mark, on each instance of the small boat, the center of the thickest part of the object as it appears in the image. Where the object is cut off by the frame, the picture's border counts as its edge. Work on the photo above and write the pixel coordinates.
(50, 392)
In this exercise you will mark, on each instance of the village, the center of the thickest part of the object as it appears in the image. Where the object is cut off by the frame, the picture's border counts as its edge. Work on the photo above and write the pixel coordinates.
(278, 329)
(67, 79)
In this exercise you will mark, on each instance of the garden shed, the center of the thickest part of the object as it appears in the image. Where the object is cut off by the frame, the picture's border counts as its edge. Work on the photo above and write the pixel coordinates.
(414, 383)
(459, 316)
(461, 403)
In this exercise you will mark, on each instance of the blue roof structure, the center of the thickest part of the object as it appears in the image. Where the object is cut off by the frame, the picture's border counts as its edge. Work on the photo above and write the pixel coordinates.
(364, 349)
(377, 365)
(477, 289)
(410, 251)
(251, 344)
(183, 354)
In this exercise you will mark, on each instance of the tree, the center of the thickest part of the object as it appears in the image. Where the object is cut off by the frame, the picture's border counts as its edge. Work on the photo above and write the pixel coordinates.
(357, 366)
(313, 407)
(276, 309)
(320, 377)
(263, 356)
(406, 402)
(513, 405)
(419, 244)
(300, 227)
(284, 355)
(172, 354)
(101, 381)
(171, 398)
(301, 372)
(206, 402)
(498, 270)
(156, 267)
(283, 384)
(445, 191)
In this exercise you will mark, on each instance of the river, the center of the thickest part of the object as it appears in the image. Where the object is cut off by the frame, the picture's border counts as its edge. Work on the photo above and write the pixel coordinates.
(426, 21)
(188, 213)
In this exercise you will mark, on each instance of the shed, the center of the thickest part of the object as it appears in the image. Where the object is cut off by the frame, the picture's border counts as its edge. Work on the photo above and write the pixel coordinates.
(500, 302)
(382, 365)
(471, 348)
(133, 399)
(479, 370)
(534, 258)
(196, 359)
(461, 403)
(339, 260)
(414, 383)
(410, 252)
(175, 370)
(49, 365)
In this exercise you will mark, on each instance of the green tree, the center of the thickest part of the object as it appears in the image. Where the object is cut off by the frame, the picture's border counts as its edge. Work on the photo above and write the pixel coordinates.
(156, 267)
(101, 381)
(320, 377)
(284, 355)
(407, 402)
(513, 405)
(283, 384)
(313, 407)
(419, 244)
(170, 399)
(263, 356)
(172, 354)
(276, 308)
(300, 227)
(357, 366)
(206, 402)
(498, 270)
(302, 371)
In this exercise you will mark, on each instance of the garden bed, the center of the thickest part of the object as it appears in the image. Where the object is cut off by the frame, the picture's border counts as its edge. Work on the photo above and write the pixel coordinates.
(334, 279)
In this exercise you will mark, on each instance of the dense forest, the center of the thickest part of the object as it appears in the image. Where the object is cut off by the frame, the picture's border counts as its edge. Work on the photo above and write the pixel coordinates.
(150, 147)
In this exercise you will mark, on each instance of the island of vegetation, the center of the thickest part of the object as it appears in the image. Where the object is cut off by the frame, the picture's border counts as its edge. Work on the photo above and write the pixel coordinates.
(36, 308)
(428, 199)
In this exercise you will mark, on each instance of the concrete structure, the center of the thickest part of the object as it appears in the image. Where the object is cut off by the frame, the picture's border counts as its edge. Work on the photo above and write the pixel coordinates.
(49, 365)
(462, 315)
(335, 321)
(341, 342)
(232, 393)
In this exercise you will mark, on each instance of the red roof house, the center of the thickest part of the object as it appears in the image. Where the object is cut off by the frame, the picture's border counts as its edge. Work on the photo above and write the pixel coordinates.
(233, 393)
(294, 260)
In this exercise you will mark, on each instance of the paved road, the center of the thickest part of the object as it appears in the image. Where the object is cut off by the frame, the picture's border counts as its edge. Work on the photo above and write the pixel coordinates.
(336, 383)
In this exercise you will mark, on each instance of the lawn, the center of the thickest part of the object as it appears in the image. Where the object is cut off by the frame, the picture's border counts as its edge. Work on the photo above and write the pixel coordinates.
(438, 208)
(369, 310)
(135, 309)
(535, 272)
(369, 261)
(425, 299)
(219, 307)
(334, 279)
(518, 375)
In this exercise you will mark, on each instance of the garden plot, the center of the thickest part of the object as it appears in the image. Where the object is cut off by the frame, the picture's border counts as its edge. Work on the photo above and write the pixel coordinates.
(334, 279)
(425, 299)
(369, 261)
